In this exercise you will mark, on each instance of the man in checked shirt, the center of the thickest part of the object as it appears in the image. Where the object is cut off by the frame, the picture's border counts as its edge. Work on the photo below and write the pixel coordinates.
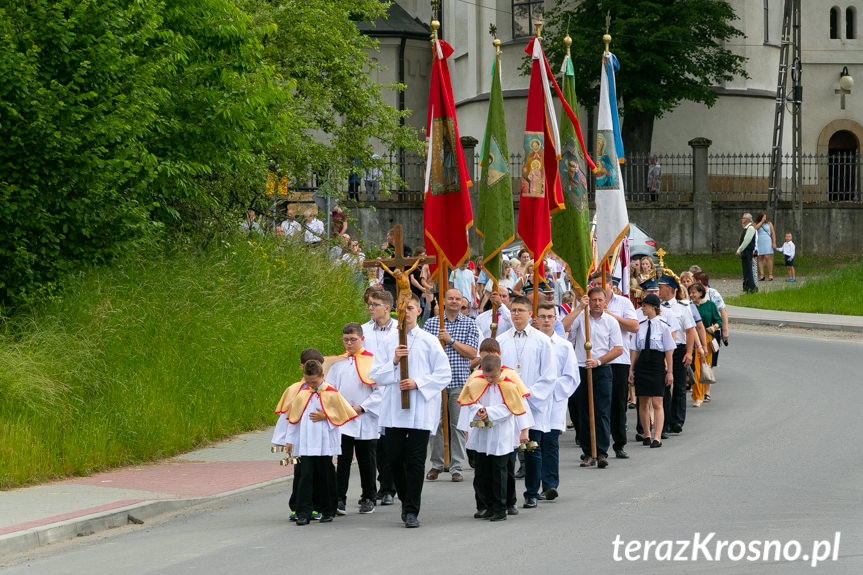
(460, 338)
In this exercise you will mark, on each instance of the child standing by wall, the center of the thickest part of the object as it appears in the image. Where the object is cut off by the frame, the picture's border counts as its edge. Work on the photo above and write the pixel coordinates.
(788, 251)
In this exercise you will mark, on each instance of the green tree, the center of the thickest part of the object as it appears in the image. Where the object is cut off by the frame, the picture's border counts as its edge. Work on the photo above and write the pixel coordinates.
(337, 108)
(669, 52)
(117, 114)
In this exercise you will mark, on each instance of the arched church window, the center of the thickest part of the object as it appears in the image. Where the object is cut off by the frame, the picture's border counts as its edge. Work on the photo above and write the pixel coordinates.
(834, 23)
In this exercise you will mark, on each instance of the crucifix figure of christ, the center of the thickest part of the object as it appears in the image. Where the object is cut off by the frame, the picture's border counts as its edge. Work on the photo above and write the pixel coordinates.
(395, 266)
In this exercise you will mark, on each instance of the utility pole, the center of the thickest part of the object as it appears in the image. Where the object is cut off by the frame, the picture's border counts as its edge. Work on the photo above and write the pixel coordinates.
(789, 52)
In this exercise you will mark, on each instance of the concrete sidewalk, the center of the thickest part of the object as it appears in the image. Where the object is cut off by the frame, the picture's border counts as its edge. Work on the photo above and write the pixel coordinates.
(35, 516)
(753, 316)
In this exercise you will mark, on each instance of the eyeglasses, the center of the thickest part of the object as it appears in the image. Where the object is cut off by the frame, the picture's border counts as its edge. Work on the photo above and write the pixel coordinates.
(350, 340)
(546, 317)
(373, 305)
(517, 310)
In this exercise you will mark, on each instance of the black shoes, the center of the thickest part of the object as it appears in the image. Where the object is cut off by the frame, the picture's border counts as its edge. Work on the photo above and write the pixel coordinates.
(498, 517)
(387, 499)
(602, 462)
(640, 437)
(482, 514)
(326, 518)
(411, 520)
(621, 454)
(519, 473)
(529, 502)
(550, 494)
(302, 521)
(677, 428)
(512, 510)
(663, 435)
(655, 444)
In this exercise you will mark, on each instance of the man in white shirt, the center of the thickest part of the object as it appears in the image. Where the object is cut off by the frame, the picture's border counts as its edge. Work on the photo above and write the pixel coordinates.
(504, 318)
(314, 228)
(622, 310)
(607, 344)
(566, 383)
(291, 226)
(685, 337)
(406, 431)
(529, 352)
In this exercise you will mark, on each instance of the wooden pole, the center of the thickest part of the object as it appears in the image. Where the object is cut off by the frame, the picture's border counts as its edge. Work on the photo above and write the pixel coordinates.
(587, 347)
(443, 285)
(494, 306)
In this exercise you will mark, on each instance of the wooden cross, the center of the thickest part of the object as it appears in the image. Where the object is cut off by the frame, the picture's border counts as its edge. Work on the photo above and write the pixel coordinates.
(400, 268)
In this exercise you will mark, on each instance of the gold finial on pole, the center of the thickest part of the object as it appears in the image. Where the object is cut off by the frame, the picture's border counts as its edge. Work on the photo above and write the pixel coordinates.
(538, 28)
(606, 38)
(496, 43)
(434, 27)
(567, 41)
(661, 253)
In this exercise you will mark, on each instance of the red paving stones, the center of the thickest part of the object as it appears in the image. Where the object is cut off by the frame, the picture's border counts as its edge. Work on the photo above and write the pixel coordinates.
(70, 515)
(189, 478)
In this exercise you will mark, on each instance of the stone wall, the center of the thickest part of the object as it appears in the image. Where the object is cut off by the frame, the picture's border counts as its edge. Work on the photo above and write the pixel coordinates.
(827, 229)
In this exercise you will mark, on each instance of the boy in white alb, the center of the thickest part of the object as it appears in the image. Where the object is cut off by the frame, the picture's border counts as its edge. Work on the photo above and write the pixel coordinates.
(526, 350)
(496, 418)
(281, 430)
(566, 383)
(314, 417)
(406, 431)
(350, 375)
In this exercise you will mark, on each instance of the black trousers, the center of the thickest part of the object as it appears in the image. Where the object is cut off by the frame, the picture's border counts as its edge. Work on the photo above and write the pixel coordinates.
(316, 486)
(619, 399)
(490, 481)
(674, 401)
(407, 449)
(295, 487)
(366, 455)
(385, 473)
(748, 277)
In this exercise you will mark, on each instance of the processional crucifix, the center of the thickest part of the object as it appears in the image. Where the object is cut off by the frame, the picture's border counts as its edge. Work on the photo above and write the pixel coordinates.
(395, 266)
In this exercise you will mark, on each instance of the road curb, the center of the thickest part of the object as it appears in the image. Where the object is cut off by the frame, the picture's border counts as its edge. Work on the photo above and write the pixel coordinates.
(34, 537)
(800, 324)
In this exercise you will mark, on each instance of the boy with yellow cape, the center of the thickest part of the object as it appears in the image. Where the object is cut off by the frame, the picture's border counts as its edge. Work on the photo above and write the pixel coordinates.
(497, 419)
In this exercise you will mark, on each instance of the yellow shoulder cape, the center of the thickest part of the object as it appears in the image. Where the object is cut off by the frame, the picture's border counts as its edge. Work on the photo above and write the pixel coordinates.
(363, 361)
(335, 406)
(512, 389)
(288, 396)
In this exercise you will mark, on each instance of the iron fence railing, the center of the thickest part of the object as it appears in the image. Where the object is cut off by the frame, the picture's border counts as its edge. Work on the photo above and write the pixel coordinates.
(832, 177)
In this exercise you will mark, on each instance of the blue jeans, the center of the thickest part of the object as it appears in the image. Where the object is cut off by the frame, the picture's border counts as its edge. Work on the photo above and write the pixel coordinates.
(602, 383)
(550, 459)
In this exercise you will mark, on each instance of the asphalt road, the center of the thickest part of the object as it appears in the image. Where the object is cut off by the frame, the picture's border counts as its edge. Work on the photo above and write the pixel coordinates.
(772, 458)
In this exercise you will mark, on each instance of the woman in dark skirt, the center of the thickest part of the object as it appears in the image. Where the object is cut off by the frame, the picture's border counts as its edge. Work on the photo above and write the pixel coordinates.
(651, 352)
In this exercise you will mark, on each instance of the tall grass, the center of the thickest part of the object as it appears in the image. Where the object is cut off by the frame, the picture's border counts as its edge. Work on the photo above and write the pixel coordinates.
(836, 293)
(154, 356)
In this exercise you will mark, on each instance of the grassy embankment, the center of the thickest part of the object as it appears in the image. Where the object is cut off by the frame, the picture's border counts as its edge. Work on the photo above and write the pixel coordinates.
(151, 357)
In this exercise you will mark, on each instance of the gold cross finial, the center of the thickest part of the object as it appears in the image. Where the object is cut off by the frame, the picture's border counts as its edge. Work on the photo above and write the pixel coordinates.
(661, 253)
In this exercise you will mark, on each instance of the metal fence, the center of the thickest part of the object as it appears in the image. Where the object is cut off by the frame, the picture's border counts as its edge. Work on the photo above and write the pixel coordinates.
(833, 177)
